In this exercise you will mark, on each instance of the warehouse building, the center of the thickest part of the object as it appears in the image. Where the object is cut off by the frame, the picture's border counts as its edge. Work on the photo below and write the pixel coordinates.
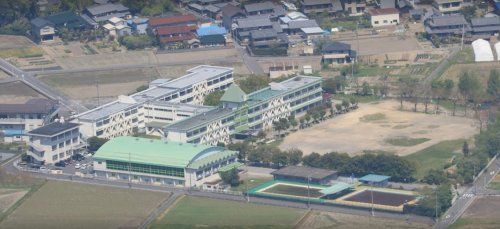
(241, 112)
(150, 161)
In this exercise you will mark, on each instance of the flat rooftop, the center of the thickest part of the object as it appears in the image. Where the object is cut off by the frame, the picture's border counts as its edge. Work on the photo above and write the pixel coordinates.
(105, 110)
(182, 106)
(282, 87)
(53, 128)
(197, 74)
(197, 120)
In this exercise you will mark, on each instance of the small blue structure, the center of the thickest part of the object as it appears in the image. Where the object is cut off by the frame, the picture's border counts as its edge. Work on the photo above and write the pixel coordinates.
(375, 180)
(211, 30)
(139, 25)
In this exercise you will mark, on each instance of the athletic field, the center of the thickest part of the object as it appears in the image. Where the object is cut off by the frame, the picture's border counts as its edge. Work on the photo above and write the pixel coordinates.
(198, 212)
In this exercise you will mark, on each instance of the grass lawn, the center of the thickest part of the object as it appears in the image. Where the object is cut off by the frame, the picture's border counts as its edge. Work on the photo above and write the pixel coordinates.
(73, 205)
(252, 183)
(405, 141)
(435, 156)
(373, 117)
(359, 98)
(212, 213)
(474, 223)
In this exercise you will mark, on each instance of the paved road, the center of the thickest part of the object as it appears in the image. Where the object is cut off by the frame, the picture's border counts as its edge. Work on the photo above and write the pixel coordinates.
(477, 189)
(30, 80)
(426, 83)
(249, 61)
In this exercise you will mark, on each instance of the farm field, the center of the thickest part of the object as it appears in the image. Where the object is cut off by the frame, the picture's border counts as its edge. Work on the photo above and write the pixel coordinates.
(382, 198)
(482, 214)
(435, 156)
(18, 46)
(17, 92)
(380, 127)
(73, 205)
(294, 190)
(323, 220)
(212, 213)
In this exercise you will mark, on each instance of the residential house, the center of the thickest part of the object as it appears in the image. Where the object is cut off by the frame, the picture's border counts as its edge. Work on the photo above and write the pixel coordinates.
(103, 12)
(245, 25)
(320, 6)
(174, 36)
(176, 20)
(384, 17)
(264, 8)
(212, 35)
(450, 6)
(43, 30)
(54, 142)
(337, 53)
(354, 7)
(294, 27)
(117, 27)
(229, 14)
(210, 11)
(69, 20)
(384, 4)
(485, 27)
(268, 42)
(138, 25)
(17, 119)
(447, 25)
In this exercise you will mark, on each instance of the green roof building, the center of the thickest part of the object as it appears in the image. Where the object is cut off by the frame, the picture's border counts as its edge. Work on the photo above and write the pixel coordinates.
(155, 161)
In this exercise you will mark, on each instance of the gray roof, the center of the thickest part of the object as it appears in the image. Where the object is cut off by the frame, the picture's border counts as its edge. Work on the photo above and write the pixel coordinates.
(99, 9)
(253, 22)
(200, 119)
(485, 21)
(447, 20)
(304, 172)
(387, 4)
(302, 24)
(40, 22)
(335, 47)
(447, 1)
(181, 106)
(263, 33)
(259, 6)
(212, 8)
(53, 128)
(105, 110)
(32, 106)
(315, 2)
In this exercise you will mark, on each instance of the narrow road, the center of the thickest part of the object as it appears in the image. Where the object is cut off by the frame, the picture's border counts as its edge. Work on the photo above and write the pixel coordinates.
(159, 210)
(478, 188)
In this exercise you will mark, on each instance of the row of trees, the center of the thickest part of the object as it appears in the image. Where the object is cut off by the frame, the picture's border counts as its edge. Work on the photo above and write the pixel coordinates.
(400, 169)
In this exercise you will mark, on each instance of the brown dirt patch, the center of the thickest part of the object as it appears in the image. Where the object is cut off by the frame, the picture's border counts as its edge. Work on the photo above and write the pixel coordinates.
(9, 197)
(17, 92)
(346, 133)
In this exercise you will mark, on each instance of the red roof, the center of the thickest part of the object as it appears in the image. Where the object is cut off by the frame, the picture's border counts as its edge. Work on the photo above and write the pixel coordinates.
(168, 30)
(184, 37)
(154, 22)
(384, 11)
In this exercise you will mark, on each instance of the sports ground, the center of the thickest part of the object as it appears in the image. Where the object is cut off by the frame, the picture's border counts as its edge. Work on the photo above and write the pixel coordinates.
(73, 205)
(381, 198)
(213, 213)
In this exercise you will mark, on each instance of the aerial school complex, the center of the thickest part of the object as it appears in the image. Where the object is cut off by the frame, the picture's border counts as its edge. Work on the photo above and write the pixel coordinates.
(189, 131)
(174, 110)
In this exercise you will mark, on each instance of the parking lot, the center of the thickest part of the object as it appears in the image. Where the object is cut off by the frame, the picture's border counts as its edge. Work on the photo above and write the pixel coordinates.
(77, 165)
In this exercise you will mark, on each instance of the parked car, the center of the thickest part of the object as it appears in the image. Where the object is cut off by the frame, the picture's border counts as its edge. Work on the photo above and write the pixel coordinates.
(77, 166)
(60, 164)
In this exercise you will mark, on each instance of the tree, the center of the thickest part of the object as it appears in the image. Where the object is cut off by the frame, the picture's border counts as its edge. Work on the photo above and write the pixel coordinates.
(407, 87)
(242, 148)
(281, 124)
(465, 149)
(335, 160)
(141, 88)
(213, 99)
(338, 107)
(294, 156)
(279, 158)
(435, 176)
(312, 160)
(345, 104)
(261, 134)
(365, 89)
(292, 121)
(469, 12)
(253, 83)
(94, 143)
(428, 203)
(441, 90)
(354, 101)
(493, 86)
(148, 7)
(230, 177)
(136, 41)
(468, 86)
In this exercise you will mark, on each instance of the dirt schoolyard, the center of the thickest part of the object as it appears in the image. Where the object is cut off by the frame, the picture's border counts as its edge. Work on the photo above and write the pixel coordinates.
(380, 126)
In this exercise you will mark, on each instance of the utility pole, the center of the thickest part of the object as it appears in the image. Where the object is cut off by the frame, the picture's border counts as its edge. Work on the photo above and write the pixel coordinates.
(129, 171)
(463, 33)
(308, 192)
(436, 205)
(98, 95)
(373, 212)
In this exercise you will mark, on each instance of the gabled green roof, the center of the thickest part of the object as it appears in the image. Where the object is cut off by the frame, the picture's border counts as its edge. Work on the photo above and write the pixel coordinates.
(150, 151)
(234, 94)
(337, 187)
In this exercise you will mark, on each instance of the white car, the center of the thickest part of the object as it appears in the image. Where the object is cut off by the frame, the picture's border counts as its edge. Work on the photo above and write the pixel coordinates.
(77, 166)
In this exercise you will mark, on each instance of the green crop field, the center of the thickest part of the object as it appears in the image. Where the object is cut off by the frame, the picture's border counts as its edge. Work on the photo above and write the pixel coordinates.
(73, 205)
(212, 213)
(435, 156)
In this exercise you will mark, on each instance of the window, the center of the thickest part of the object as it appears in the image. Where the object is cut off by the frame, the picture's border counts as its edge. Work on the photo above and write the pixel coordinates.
(143, 168)
(375, 22)
(385, 21)
(99, 133)
(68, 142)
(61, 155)
(61, 144)
(54, 147)
(54, 158)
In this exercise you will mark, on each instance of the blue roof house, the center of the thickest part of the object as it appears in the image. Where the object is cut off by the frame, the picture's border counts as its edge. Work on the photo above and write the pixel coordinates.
(375, 180)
